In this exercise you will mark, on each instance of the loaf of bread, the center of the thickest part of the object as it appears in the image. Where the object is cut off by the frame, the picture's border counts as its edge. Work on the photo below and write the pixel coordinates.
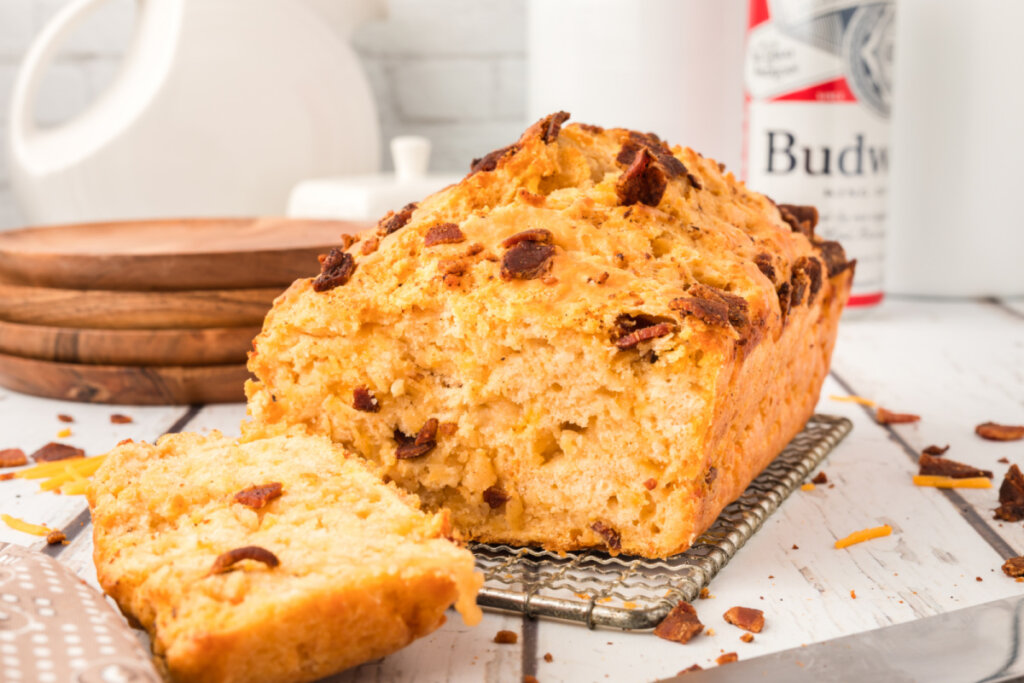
(281, 559)
(593, 340)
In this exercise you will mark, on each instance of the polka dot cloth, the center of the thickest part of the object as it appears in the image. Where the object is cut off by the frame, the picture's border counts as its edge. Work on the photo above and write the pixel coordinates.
(53, 627)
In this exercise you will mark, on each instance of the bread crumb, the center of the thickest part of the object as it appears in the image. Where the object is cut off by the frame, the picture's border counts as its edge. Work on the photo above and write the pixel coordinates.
(119, 419)
(65, 418)
(747, 637)
(727, 658)
(56, 536)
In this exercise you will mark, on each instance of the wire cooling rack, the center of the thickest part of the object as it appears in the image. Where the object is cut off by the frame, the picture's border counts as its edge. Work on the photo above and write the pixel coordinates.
(626, 592)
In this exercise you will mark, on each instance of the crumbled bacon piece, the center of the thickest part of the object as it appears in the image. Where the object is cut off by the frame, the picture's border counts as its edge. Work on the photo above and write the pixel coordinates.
(651, 484)
(228, 560)
(395, 221)
(887, 417)
(611, 537)
(727, 658)
(713, 306)
(806, 276)
(1014, 567)
(443, 233)
(1011, 496)
(489, 161)
(710, 476)
(54, 451)
(413, 447)
(747, 618)
(802, 219)
(548, 657)
(364, 400)
(12, 457)
(370, 245)
(834, 257)
(766, 265)
(644, 334)
(527, 261)
(65, 418)
(257, 497)
(347, 240)
(495, 497)
(630, 330)
(930, 464)
(550, 126)
(335, 271)
(532, 235)
(504, 637)
(119, 419)
(747, 637)
(936, 450)
(680, 625)
(998, 432)
(820, 478)
(643, 182)
(448, 428)
(55, 537)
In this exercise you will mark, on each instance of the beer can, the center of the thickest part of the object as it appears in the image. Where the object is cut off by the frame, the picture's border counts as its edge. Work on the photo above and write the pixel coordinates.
(818, 80)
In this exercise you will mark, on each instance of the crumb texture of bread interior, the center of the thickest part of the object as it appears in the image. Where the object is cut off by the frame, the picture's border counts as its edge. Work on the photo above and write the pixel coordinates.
(610, 377)
(360, 572)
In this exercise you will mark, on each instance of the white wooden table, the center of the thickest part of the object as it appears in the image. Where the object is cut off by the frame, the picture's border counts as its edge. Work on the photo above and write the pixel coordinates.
(955, 363)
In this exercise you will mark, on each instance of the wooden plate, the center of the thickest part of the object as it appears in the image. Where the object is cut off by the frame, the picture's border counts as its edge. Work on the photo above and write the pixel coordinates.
(214, 346)
(95, 309)
(145, 385)
(163, 255)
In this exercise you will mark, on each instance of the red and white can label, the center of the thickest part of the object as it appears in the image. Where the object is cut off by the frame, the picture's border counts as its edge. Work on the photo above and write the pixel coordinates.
(818, 77)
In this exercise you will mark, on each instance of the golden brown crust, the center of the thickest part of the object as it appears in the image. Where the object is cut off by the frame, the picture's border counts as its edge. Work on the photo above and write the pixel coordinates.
(629, 313)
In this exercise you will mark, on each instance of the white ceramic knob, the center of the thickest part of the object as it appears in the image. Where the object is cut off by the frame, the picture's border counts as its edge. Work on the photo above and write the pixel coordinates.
(411, 156)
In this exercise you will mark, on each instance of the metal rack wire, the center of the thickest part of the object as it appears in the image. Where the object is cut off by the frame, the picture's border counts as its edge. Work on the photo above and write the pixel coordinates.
(634, 593)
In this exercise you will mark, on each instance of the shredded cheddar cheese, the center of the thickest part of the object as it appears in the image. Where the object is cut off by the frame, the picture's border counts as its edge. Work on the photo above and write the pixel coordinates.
(75, 488)
(69, 476)
(942, 482)
(854, 399)
(64, 433)
(27, 527)
(809, 486)
(864, 535)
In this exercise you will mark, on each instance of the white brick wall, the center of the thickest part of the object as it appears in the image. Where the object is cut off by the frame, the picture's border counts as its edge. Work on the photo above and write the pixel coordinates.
(452, 70)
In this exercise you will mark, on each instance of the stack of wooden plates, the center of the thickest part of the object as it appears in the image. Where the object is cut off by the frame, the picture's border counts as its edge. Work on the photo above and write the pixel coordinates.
(146, 312)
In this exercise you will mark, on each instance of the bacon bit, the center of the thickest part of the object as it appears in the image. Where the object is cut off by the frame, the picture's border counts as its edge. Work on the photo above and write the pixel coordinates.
(256, 497)
(227, 561)
(783, 292)
(527, 261)
(369, 245)
(550, 126)
(1014, 567)
(930, 464)
(506, 637)
(807, 272)
(853, 594)
(765, 264)
(944, 482)
(12, 457)
(65, 418)
(864, 535)
(530, 679)
(727, 658)
(691, 668)
(998, 432)
(680, 625)
(474, 249)
(611, 537)
(532, 199)
(801, 219)
(364, 400)
(887, 417)
(335, 271)
(644, 334)
(978, 579)
(54, 451)
(56, 536)
(7, 476)
(854, 399)
(935, 450)
(835, 257)
(443, 233)
(548, 657)
(796, 547)
(1005, 461)
(119, 419)
(64, 433)
(809, 486)
(490, 161)
(413, 447)
(532, 235)
(651, 484)
(347, 240)
(1011, 496)
(393, 221)
(495, 497)
(820, 478)
(643, 182)
(713, 306)
(746, 618)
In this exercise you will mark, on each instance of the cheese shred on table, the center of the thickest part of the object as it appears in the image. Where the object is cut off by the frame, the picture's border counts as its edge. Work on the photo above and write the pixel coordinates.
(27, 527)
(70, 477)
(942, 482)
(864, 535)
(853, 399)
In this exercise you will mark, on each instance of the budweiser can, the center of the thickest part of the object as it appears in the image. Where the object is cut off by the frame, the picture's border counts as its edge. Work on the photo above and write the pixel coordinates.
(818, 77)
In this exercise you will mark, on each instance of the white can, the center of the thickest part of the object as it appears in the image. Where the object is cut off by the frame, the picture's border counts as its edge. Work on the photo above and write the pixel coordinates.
(818, 77)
